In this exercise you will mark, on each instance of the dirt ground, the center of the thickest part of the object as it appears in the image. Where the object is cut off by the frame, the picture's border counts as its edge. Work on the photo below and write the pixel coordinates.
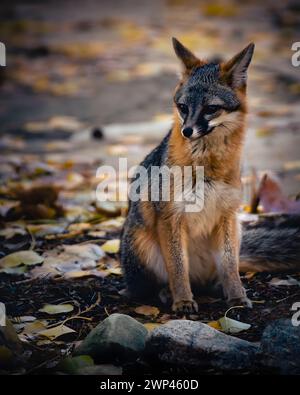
(89, 82)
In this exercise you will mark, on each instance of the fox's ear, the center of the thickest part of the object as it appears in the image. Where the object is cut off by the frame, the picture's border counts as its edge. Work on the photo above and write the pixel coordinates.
(235, 70)
(188, 59)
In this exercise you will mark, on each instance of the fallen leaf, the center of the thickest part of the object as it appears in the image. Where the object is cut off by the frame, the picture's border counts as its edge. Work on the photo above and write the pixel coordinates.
(85, 273)
(56, 308)
(250, 275)
(229, 325)
(294, 165)
(114, 270)
(56, 331)
(147, 310)
(12, 231)
(264, 132)
(277, 282)
(110, 209)
(14, 270)
(111, 246)
(74, 257)
(221, 10)
(28, 258)
(215, 325)
(42, 230)
(34, 327)
(25, 318)
(152, 325)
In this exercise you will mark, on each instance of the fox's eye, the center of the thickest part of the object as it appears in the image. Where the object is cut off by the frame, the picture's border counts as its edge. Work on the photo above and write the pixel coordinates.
(212, 109)
(183, 108)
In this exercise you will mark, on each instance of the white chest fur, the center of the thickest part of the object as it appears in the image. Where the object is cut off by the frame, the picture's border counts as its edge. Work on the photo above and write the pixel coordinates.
(218, 199)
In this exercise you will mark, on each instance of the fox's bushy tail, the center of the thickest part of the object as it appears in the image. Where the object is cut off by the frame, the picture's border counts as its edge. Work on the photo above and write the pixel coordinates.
(271, 244)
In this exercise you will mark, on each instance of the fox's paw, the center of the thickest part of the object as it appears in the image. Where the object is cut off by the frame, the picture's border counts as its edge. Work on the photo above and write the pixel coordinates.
(185, 306)
(242, 301)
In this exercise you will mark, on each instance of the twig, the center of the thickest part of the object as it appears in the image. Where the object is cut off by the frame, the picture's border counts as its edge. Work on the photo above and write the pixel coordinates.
(290, 296)
(41, 365)
(33, 241)
(78, 316)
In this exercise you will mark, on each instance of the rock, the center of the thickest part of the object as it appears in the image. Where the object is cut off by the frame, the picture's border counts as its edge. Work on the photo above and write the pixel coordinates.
(11, 349)
(280, 345)
(118, 336)
(190, 343)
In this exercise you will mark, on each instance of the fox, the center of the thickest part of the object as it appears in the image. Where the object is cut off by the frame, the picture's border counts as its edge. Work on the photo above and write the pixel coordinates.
(165, 246)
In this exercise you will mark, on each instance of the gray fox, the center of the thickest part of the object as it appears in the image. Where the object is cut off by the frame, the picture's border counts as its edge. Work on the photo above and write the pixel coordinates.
(161, 243)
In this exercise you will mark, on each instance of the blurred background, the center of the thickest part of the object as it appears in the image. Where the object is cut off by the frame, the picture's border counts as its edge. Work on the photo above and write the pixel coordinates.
(92, 81)
(88, 82)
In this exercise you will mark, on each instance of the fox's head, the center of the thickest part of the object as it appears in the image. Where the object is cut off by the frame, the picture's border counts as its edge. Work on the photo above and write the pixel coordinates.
(211, 95)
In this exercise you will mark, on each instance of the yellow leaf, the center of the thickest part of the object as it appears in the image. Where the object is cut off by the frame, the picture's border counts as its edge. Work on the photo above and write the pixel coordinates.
(56, 308)
(264, 132)
(21, 257)
(85, 273)
(34, 327)
(215, 324)
(111, 246)
(115, 270)
(220, 10)
(56, 332)
(250, 275)
(152, 325)
(147, 310)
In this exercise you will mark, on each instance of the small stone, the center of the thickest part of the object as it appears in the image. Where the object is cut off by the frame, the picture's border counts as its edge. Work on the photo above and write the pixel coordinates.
(117, 337)
(280, 345)
(192, 344)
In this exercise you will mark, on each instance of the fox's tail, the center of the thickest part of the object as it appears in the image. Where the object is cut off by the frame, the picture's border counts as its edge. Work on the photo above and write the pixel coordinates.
(271, 244)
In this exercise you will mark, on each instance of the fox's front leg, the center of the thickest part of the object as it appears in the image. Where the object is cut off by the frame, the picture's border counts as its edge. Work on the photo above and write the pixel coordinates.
(172, 239)
(227, 261)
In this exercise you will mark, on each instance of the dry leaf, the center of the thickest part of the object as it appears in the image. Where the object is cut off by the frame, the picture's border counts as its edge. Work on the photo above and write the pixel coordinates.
(42, 230)
(55, 332)
(111, 246)
(229, 325)
(250, 275)
(34, 327)
(114, 270)
(85, 273)
(215, 325)
(152, 325)
(147, 310)
(276, 282)
(21, 258)
(12, 231)
(56, 308)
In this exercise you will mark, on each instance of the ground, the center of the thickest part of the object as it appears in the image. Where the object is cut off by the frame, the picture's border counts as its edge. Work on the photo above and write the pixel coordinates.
(92, 83)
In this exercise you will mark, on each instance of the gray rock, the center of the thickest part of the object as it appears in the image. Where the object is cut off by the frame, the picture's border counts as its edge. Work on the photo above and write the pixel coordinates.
(190, 343)
(118, 336)
(280, 345)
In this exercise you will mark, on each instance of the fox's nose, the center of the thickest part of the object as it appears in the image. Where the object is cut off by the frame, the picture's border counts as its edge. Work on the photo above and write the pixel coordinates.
(187, 132)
